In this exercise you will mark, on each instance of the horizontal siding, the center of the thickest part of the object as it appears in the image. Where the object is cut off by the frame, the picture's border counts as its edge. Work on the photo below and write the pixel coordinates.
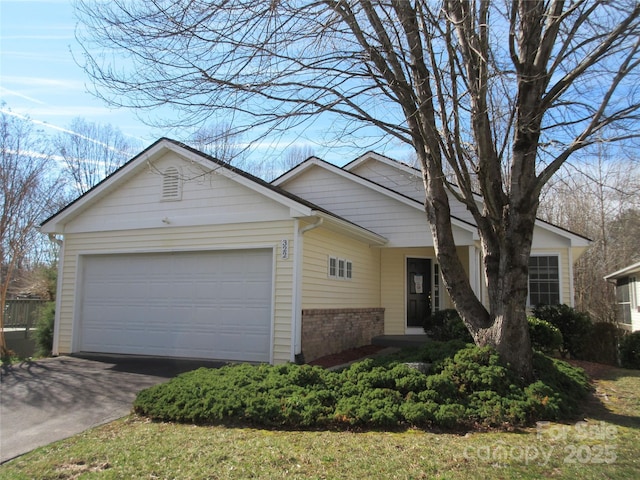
(401, 224)
(393, 178)
(207, 198)
(320, 291)
(405, 183)
(196, 238)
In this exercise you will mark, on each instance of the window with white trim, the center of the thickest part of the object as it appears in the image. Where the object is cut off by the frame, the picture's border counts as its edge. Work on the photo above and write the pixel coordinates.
(340, 268)
(333, 267)
(624, 299)
(171, 184)
(544, 280)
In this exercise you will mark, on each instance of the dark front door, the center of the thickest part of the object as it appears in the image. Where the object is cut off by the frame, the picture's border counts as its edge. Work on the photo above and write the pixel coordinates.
(418, 291)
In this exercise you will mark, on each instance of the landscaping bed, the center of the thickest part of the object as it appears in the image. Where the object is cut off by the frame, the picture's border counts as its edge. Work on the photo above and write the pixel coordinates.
(464, 387)
(347, 356)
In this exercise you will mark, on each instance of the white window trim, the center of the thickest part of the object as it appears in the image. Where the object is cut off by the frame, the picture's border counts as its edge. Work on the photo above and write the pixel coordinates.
(342, 268)
(334, 267)
(560, 276)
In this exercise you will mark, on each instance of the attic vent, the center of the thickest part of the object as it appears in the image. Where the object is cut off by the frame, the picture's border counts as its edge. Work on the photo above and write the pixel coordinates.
(171, 184)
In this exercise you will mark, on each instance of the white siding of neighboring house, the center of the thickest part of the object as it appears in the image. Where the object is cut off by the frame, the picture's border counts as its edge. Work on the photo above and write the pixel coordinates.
(403, 225)
(321, 291)
(635, 302)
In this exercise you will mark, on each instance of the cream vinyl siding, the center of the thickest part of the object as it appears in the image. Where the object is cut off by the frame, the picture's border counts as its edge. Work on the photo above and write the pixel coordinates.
(320, 291)
(202, 238)
(207, 197)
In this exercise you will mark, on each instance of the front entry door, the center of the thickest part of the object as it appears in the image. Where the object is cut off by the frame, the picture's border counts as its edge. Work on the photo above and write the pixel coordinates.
(418, 291)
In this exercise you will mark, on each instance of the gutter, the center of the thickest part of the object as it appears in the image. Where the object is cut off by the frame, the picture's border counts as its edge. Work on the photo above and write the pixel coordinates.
(296, 317)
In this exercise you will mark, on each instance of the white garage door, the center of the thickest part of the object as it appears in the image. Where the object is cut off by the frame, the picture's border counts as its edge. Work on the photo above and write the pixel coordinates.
(213, 305)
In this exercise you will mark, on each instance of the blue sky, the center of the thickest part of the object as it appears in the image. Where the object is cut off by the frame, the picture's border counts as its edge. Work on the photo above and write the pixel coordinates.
(39, 77)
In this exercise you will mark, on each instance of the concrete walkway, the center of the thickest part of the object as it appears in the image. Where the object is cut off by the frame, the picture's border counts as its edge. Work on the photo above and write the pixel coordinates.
(47, 400)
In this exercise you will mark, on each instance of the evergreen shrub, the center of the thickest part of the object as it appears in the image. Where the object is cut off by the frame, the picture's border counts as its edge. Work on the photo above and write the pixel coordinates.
(630, 350)
(468, 388)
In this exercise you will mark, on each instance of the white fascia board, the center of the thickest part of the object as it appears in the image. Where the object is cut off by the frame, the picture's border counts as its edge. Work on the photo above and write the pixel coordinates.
(56, 223)
(296, 171)
(382, 159)
(350, 229)
(574, 239)
(623, 272)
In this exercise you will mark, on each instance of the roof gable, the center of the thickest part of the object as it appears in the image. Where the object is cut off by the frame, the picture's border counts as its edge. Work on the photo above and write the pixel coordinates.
(397, 217)
(204, 163)
(404, 183)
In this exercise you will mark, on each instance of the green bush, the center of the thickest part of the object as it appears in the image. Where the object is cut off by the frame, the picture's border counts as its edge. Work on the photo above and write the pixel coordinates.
(469, 388)
(44, 329)
(445, 325)
(630, 350)
(574, 326)
(602, 343)
(545, 337)
(435, 352)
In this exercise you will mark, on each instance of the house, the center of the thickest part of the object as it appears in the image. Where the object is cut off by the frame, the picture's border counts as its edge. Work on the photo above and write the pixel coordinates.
(178, 254)
(627, 296)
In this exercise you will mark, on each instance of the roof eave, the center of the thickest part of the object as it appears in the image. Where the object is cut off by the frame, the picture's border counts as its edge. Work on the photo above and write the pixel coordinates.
(623, 272)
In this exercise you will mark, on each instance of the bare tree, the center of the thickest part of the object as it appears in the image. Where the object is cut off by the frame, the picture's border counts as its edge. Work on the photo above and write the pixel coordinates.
(91, 152)
(597, 196)
(29, 190)
(219, 141)
(504, 92)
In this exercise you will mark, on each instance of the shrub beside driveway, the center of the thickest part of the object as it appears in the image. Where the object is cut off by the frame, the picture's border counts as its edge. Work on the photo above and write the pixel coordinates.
(607, 445)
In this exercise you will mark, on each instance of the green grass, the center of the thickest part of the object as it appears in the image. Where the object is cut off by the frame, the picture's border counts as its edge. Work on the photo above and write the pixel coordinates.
(607, 446)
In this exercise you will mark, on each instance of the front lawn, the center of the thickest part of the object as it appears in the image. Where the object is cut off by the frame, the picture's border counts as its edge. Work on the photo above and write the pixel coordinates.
(602, 442)
(606, 446)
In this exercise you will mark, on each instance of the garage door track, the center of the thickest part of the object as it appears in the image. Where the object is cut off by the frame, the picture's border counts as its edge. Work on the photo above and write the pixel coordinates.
(47, 400)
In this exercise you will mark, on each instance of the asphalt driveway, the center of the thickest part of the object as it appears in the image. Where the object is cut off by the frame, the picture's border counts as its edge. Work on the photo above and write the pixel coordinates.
(47, 400)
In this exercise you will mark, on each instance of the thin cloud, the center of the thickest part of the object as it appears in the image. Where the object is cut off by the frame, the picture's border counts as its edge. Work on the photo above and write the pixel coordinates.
(12, 93)
(43, 82)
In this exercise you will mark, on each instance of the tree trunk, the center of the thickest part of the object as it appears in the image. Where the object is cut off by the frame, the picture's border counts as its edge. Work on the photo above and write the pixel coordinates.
(503, 325)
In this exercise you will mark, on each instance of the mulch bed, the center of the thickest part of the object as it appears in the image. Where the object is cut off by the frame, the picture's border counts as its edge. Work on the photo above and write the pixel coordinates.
(593, 370)
(346, 356)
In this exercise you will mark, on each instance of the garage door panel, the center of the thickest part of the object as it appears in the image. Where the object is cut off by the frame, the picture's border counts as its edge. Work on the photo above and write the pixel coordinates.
(191, 304)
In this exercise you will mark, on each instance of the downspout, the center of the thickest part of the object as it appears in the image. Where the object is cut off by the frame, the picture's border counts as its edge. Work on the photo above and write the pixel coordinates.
(297, 289)
(56, 325)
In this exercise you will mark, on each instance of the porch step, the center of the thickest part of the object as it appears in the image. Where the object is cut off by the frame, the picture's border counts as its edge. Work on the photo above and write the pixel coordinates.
(400, 341)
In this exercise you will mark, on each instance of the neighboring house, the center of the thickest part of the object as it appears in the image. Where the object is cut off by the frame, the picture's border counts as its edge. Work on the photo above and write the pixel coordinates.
(178, 254)
(627, 282)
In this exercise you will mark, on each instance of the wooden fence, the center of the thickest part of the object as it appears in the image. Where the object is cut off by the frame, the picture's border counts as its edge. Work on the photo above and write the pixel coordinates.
(22, 314)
